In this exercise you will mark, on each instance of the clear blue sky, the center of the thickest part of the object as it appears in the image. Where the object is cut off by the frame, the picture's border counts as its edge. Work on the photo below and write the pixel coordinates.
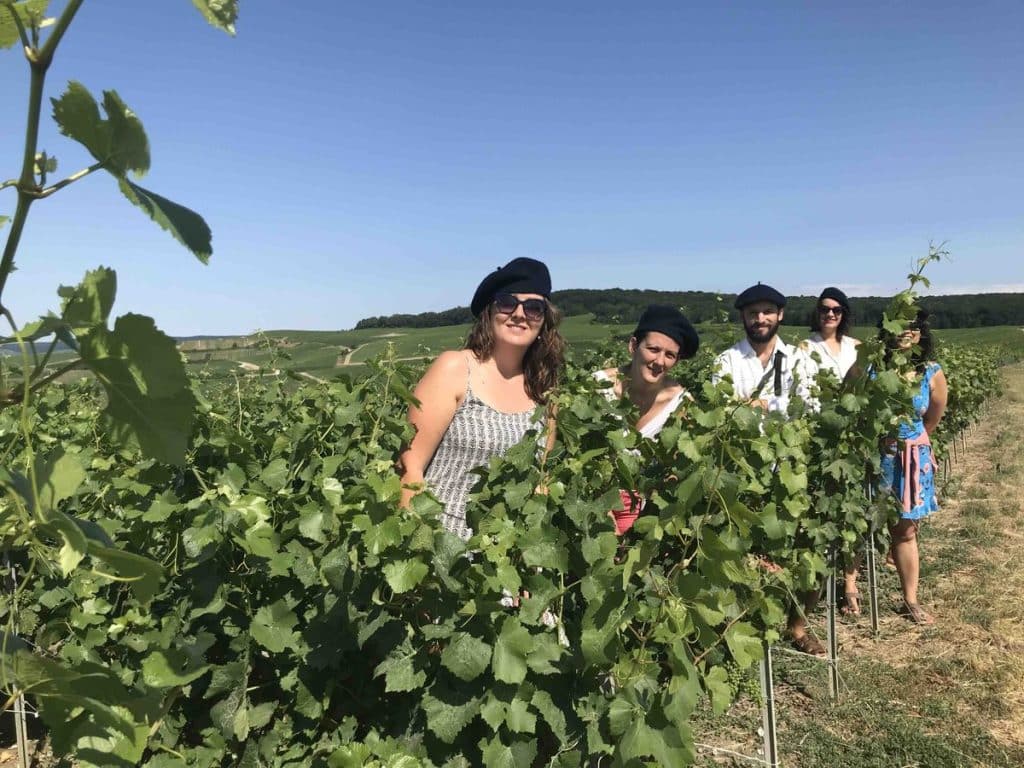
(356, 159)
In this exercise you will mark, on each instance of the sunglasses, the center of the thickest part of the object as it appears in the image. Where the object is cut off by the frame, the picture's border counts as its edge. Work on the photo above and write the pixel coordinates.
(533, 309)
(837, 311)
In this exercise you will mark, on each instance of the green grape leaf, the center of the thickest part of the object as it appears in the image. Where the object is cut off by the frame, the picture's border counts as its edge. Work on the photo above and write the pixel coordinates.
(88, 304)
(666, 745)
(400, 673)
(621, 713)
(520, 754)
(793, 481)
(275, 474)
(273, 627)
(744, 644)
(546, 650)
(553, 716)
(58, 477)
(119, 142)
(75, 546)
(185, 225)
(221, 14)
(80, 705)
(141, 573)
(511, 650)
(541, 548)
(716, 682)
(129, 146)
(46, 325)
(403, 575)
(519, 717)
(168, 669)
(350, 756)
(466, 656)
(311, 524)
(446, 719)
(25, 10)
(149, 401)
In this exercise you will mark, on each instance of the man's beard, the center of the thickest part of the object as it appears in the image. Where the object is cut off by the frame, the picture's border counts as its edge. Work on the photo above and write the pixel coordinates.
(763, 335)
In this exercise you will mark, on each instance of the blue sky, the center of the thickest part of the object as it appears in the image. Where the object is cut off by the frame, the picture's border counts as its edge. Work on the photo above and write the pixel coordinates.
(362, 159)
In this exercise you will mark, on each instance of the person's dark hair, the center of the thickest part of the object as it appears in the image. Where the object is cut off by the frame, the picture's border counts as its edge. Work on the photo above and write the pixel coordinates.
(845, 320)
(925, 347)
(544, 358)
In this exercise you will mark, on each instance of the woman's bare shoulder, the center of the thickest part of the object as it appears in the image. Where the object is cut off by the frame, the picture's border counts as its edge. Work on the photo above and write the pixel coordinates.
(448, 372)
(452, 360)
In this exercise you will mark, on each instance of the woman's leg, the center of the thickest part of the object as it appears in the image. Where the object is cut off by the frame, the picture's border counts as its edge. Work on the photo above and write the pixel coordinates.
(908, 566)
(904, 552)
(851, 595)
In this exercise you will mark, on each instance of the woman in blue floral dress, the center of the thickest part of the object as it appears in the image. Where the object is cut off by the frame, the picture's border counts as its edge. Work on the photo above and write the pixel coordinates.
(908, 470)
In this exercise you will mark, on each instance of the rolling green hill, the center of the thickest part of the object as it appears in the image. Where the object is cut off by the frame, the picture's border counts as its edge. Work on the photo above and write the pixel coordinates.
(324, 353)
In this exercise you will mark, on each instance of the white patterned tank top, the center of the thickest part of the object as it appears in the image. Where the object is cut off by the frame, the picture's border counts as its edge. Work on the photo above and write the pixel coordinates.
(477, 433)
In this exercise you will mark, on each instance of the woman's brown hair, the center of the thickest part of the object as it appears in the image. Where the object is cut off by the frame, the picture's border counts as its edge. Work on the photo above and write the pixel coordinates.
(544, 358)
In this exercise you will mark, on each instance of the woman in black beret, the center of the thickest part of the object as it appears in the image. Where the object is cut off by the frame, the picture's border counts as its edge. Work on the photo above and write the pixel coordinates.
(830, 338)
(477, 402)
(663, 337)
(836, 351)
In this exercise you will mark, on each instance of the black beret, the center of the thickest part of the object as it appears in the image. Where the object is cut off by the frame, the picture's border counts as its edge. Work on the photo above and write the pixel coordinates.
(662, 318)
(836, 295)
(760, 292)
(520, 275)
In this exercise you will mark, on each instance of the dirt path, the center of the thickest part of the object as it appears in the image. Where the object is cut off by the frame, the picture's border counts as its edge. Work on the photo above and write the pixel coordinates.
(348, 357)
(980, 528)
(972, 578)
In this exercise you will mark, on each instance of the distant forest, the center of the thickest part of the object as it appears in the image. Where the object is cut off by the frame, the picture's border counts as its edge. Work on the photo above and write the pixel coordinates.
(618, 305)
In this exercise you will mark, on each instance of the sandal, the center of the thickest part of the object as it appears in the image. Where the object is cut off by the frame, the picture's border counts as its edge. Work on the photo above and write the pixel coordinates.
(915, 613)
(809, 644)
(851, 604)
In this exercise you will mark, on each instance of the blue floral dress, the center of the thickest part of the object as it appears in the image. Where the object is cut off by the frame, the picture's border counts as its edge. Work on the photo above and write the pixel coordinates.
(913, 458)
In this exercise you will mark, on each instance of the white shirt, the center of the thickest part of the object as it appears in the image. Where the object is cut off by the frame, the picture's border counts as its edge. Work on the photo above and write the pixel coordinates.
(651, 429)
(840, 364)
(741, 362)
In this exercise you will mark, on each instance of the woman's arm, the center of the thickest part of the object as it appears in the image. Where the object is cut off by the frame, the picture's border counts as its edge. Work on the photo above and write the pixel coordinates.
(439, 391)
(936, 402)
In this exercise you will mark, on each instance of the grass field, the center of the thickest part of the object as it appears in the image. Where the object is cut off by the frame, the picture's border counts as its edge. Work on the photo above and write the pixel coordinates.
(323, 353)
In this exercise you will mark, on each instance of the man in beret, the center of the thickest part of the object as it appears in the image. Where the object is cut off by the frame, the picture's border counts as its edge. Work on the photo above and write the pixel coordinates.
(768, 372)
(764, 369)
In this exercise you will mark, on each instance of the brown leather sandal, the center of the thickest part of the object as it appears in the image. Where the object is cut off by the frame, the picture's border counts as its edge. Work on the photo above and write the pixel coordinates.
(915, 613)
(809, 644)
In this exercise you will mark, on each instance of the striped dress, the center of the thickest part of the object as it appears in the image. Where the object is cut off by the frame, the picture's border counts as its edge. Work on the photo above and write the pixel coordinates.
(476, 433)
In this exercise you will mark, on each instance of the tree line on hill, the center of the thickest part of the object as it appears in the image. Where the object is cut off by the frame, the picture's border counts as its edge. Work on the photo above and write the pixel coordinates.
(618, 305)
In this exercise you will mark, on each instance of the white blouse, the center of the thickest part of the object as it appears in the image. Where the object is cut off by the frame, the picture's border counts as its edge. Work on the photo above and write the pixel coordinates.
(741, 362)
(651, 429)
(838, 364)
